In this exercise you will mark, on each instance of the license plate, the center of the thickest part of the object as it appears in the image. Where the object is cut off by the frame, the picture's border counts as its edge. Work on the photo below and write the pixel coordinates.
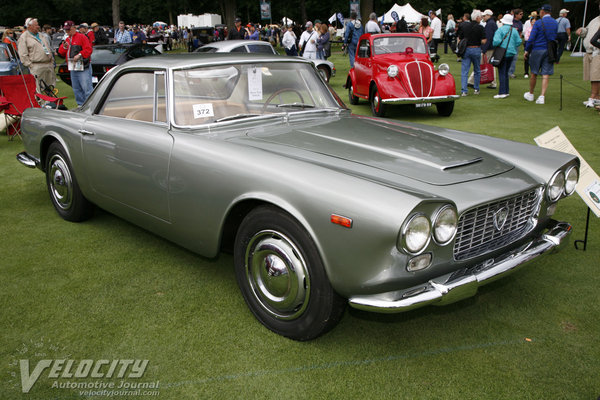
(419, 105)
(94, 79)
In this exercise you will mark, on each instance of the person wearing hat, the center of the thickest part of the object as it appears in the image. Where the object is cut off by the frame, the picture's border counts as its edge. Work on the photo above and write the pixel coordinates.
(77, 50)
(99, 34)
(536, 50)
(238, 32)
(506, 37)
(36, 54)
(84, 29)
(252, 32)
(138, 35)
(308, 42)
(564, 31)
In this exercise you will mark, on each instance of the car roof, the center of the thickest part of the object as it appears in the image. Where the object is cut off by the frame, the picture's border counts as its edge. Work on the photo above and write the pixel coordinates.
(189, 60)
(227, 45)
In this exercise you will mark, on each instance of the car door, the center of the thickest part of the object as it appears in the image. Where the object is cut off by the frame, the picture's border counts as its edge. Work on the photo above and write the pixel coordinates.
(363, 67)
(127, 144)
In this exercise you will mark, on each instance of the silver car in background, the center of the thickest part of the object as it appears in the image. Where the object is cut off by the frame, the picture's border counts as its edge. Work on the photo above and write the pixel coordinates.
(326, 68)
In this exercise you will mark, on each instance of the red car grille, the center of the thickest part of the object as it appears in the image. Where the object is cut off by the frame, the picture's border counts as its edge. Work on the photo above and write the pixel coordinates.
(419, 75)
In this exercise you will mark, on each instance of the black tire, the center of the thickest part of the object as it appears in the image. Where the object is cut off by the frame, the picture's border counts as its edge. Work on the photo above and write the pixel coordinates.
(377, 107)
(351, 97)
(445, 109)
(325, 73)
(281, 276)
(63, 188)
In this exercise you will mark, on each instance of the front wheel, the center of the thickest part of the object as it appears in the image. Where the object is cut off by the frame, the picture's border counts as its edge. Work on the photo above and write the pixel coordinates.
(351, 97)
(377, 107)
(64, 190)
(282, 278)
(445, 109)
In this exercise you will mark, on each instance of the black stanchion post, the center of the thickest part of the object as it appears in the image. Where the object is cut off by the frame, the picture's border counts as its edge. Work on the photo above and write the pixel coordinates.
(587, 225)
(561, 78)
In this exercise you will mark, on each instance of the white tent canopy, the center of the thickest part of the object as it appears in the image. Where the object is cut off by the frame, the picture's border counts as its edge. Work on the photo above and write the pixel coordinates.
(287, 21)
(410, 14)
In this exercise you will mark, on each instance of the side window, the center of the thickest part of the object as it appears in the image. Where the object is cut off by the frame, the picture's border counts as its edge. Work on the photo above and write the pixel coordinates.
(241, 49)
(364, 49)
(133, 96)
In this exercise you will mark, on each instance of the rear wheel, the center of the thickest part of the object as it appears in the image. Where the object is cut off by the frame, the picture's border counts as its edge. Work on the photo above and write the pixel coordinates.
(324, 71)
(445, 109)
(282, 278)
(64, 190)
(377, 107)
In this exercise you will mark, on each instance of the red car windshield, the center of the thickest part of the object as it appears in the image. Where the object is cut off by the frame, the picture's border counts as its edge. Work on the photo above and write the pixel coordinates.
(399, 44)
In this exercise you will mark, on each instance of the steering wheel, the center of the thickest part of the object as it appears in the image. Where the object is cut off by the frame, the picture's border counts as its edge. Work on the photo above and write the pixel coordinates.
(278, 92)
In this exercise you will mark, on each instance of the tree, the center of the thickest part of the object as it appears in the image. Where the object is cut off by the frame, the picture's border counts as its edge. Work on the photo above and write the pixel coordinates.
(116, 12)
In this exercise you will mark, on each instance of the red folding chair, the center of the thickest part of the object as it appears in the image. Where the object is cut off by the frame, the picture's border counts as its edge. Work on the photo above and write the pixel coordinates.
(17, 93)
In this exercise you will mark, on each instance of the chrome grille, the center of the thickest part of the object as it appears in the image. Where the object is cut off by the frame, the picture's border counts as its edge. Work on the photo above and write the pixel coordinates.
(478, 233)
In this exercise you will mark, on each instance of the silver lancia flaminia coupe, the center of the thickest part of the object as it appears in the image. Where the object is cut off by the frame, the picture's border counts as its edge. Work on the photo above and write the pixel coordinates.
(321, 208)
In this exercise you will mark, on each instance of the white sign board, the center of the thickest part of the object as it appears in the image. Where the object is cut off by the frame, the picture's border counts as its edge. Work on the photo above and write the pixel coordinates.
(588, 187)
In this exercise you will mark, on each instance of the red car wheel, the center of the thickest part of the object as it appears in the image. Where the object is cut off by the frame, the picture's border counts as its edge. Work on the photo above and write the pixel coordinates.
(377, 106)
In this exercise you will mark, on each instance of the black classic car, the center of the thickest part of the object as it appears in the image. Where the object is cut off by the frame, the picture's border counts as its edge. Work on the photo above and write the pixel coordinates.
(109, 56)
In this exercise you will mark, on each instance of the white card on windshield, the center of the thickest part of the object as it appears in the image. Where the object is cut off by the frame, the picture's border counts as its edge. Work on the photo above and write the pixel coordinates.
(255, 91)
(203, 110)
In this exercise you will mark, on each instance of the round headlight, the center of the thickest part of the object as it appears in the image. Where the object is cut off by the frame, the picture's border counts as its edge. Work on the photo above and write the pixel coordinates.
(443, 69)
(416, 233)
(571, 181)
(556, 186)
(445, 224)
(392, 71)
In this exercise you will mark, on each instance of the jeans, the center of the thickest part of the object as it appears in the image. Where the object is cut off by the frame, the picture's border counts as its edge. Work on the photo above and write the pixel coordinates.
(351, 54)
(562, 38)
(513, 66)
(503, 74)
(82, 84)
(472, 56)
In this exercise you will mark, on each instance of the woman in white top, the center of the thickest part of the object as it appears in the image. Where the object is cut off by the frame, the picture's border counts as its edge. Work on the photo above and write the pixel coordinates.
(289, 42)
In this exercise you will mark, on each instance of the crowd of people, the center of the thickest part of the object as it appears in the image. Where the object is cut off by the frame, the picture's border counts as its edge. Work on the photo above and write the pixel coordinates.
(474, 37)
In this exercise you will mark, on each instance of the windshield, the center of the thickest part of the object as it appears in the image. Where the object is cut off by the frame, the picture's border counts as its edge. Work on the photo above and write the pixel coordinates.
(399, 44)
(221, 93)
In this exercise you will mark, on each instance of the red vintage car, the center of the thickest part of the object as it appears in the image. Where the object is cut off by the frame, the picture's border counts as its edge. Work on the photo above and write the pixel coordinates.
(395, 68)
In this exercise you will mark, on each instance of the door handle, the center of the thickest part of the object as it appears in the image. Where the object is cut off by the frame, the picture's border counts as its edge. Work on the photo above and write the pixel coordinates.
(86, 133)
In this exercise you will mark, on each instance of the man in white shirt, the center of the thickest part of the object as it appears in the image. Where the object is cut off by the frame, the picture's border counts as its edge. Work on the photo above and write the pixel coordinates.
(372, 26)
(436, 25)
(308, 42)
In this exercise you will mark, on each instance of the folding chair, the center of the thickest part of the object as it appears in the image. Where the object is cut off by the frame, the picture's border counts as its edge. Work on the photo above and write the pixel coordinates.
(17, 93)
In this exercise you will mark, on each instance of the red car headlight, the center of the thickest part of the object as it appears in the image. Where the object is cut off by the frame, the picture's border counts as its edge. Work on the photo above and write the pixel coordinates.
(392, 71)
(443, 69)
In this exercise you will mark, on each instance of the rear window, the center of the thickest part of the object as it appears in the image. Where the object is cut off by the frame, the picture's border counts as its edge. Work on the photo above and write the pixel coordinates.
(257, 48)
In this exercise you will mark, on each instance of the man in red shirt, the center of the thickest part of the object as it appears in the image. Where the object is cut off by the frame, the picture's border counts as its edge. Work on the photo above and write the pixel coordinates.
(77, 50)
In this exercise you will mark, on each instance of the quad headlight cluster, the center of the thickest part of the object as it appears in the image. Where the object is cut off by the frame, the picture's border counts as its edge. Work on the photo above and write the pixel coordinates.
(419, 229)
(562, 183)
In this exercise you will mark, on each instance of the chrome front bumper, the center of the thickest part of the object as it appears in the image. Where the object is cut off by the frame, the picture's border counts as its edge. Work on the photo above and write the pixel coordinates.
(28, 160)
(420, 100)
(463, 283)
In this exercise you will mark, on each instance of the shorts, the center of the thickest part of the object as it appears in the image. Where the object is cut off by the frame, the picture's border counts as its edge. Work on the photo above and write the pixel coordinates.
(538, 62)
(591, 68)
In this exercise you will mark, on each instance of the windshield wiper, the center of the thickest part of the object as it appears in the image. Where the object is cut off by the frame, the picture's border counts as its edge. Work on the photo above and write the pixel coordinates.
(237, 116)
(303, 105)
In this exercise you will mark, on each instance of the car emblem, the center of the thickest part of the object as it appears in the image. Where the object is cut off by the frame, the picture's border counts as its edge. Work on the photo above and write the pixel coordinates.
(500, 218)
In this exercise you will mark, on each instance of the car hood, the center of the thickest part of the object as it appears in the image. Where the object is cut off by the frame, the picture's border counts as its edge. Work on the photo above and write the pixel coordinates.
(370, 147)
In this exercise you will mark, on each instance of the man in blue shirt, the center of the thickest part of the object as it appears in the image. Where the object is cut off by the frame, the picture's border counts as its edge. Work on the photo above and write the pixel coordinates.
(544, 30)
(138, 35)
(122, 35)
(353, 31)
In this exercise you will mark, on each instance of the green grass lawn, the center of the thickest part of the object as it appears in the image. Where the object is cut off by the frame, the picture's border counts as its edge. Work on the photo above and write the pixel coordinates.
(105, 289)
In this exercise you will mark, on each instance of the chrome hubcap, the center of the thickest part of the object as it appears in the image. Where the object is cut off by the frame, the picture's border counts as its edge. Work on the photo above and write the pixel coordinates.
(277, 275)
(61, 183)
(376, 100)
